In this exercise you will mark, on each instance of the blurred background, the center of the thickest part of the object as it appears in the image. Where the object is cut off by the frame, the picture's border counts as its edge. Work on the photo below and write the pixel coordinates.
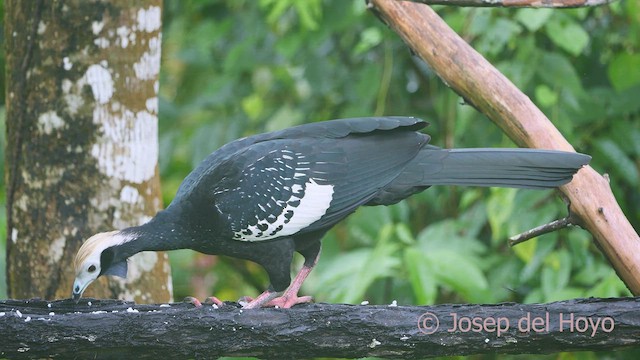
(238, 67)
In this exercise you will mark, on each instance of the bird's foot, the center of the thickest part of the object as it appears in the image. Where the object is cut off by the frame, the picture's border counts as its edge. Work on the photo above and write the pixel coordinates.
(211, 300)
(285, 301)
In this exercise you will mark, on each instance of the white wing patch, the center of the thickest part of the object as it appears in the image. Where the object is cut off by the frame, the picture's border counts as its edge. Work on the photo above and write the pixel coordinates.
(314, 201)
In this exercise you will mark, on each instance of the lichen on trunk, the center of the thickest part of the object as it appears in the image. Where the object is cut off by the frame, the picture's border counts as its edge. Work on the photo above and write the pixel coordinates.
(82, 137)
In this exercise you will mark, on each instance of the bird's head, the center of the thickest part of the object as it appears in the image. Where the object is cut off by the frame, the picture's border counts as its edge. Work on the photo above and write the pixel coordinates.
(96, 257)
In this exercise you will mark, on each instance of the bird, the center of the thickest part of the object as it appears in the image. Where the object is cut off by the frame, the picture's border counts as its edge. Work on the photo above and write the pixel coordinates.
(264, 197)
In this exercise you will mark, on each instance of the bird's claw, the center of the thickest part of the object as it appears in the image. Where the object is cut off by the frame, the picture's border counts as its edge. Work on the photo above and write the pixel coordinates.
(211, 300)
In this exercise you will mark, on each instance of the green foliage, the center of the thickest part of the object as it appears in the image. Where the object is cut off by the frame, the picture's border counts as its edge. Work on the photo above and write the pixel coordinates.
(235, 68)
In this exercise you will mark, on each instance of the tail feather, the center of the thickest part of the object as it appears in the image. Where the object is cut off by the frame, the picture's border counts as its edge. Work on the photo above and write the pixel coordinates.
(518, 168)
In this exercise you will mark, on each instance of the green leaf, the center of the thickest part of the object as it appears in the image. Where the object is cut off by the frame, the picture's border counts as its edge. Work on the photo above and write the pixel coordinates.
(421, 277)
(458, 272)
(546, 96)
(380, 263)
(497, 35)
(624, 71)
(403, 232)
(449, 235)
(619, 161)
(309, 12)
(557, 70)
(567, 34)
(543, 248)
(369, 38)
(252, 106)
(526, 250)
(533, 19)
(499, 207)
(609, 286)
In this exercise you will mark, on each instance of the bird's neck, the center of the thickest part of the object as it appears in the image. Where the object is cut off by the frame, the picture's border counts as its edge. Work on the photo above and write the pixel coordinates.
(159, 234)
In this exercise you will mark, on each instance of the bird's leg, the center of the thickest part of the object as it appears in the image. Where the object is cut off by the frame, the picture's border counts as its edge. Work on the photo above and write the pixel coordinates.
(290, 296)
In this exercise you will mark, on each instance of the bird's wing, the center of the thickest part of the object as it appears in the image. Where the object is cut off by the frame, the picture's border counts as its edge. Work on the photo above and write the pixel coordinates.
(287, 186)
(332, 129)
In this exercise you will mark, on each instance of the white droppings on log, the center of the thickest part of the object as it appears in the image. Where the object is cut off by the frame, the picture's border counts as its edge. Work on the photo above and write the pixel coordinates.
(150, 19)
(148, 67)
(128, 148)
(49, 121)
(14, 235)
(129, 194)
(56, 249)
(99, 78)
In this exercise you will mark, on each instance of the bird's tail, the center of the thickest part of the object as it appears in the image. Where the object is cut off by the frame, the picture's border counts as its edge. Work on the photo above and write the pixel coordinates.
(519, 168)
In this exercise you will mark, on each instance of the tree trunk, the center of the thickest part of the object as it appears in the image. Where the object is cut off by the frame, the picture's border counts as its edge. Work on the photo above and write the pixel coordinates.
(82, 145)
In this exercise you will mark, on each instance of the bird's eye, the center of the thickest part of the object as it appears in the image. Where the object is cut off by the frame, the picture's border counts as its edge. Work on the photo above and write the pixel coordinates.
(91, 268)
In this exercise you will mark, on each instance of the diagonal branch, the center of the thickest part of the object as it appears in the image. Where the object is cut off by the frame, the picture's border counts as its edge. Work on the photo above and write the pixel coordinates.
(481, 84)
(566, 4)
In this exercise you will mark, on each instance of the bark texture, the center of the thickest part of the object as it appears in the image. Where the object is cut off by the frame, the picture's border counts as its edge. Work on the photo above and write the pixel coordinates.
(99, 329)
(82, 82)
(481, 84)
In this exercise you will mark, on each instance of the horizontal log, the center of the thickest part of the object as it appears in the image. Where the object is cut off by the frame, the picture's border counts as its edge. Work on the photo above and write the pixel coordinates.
(112, 328)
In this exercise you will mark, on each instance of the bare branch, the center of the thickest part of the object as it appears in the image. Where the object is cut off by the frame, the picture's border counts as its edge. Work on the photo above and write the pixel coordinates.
(541, 230)
(518, 3)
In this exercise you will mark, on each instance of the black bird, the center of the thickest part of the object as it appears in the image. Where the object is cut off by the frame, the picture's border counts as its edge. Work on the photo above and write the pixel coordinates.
(261, 198)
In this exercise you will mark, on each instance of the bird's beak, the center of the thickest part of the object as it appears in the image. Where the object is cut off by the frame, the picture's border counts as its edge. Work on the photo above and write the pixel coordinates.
(78, 289)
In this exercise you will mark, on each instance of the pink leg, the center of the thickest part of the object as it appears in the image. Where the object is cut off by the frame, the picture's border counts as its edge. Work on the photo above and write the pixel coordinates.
(290, 296)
